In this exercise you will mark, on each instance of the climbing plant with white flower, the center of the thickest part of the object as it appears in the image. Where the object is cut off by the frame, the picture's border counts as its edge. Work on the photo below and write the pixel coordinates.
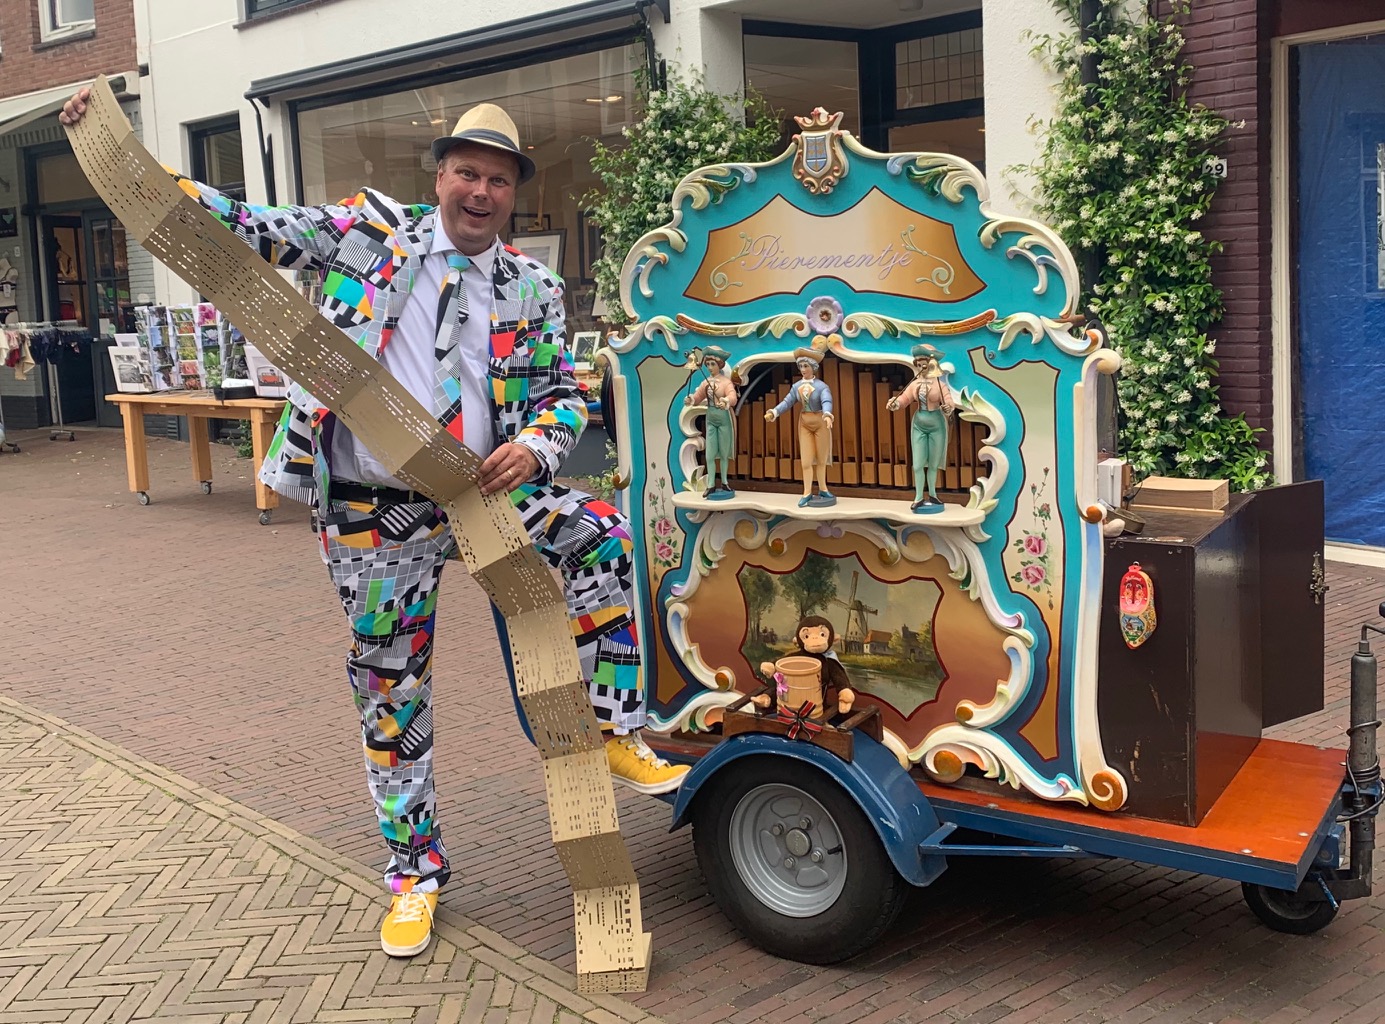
(685, 126)
(1123, 178)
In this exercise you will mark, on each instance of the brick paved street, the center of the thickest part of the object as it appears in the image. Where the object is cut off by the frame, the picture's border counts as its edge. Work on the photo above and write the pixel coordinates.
(134, 893)
(197, 640)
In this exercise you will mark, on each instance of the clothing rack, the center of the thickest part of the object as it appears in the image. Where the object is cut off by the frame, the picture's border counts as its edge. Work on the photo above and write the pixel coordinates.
(54, 383)
(5, 446)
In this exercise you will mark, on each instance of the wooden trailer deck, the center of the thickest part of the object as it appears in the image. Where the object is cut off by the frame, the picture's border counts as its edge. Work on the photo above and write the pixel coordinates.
(1265, 827)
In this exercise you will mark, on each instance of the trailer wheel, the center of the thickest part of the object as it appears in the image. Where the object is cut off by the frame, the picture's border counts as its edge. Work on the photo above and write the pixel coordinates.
(792, 861)
(1298, 913)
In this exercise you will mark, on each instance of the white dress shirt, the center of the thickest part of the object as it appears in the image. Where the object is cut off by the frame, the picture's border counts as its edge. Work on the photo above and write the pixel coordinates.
(409, 357)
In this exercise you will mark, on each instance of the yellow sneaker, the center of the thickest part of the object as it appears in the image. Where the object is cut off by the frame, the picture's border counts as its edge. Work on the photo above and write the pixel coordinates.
(409, 924)
(635, 765)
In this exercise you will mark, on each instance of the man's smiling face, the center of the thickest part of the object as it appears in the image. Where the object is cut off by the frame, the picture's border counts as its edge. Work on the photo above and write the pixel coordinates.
(476, 194)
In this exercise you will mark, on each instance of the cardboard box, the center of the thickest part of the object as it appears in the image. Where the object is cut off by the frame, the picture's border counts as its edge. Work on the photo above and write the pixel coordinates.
(269, 381)
(1184, 495)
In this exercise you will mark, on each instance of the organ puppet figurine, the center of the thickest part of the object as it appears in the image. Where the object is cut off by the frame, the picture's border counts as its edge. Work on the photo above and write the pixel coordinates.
(813, 673)
(932, 398)
(718, 392)
(814, 427)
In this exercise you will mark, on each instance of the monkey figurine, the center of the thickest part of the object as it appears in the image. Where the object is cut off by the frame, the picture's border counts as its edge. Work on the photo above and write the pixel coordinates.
(814, 638)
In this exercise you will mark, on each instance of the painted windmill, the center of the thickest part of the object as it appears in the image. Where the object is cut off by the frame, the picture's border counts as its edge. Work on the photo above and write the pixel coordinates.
(857, 622)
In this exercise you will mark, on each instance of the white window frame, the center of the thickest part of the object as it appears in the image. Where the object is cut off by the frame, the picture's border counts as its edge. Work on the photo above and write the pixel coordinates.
(50, 28)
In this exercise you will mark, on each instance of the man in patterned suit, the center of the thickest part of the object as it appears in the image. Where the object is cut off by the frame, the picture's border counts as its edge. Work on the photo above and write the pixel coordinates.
(473, 329)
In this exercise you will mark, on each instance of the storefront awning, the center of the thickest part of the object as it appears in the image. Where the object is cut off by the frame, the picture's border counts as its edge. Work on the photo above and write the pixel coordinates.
(17, 111)
(585, 20)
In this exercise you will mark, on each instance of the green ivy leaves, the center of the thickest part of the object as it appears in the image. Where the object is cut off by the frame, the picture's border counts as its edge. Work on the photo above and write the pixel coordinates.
(684, 127)
(1123, 177)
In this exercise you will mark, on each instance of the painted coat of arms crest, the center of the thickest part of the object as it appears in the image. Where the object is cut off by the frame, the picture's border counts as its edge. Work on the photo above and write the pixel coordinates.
(819, 160)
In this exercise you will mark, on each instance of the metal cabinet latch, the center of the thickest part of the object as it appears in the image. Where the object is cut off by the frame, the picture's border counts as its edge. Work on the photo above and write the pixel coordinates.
(1317, 583)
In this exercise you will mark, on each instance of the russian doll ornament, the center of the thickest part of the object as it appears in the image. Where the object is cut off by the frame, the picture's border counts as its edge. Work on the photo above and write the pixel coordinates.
(1136, 606)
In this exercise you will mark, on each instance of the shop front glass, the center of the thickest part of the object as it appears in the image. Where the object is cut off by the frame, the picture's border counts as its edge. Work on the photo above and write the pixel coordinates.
(796, 74)
(917, 87)
(938, 77)
(383, 142)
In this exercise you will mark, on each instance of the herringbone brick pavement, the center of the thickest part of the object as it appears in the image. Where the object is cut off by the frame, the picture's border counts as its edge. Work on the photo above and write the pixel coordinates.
(128, 893)
(212, 646)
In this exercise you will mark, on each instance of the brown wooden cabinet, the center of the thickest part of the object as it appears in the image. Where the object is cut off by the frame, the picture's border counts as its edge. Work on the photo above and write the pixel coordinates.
(1238, 645)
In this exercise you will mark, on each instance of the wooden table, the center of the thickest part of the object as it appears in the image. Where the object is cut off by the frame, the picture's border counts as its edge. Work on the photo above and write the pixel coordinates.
(197, 407)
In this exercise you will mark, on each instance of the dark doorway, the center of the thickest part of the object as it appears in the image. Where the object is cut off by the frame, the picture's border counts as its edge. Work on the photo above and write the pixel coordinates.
(69, 299)
(89, 283)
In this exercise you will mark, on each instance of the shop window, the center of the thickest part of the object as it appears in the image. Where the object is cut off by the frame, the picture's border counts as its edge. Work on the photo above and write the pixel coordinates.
(935, 69)
(259, 8)
(797, 74)
(217, 157)
(61, 179)
(383, 142)
(959, 136)
(65, 17)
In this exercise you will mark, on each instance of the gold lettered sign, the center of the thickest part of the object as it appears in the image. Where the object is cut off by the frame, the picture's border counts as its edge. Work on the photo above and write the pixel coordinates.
(879, 245)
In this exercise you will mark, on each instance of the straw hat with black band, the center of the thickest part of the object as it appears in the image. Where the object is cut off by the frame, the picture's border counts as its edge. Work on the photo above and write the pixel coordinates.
(487, 125)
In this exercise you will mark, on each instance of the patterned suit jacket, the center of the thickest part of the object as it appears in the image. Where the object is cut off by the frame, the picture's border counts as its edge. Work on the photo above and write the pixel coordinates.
(368, 250)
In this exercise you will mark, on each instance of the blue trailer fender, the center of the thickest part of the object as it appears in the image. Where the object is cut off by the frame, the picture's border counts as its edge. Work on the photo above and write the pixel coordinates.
(889, 798)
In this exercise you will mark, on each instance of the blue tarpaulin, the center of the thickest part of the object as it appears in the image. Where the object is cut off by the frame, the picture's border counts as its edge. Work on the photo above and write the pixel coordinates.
(1340, 283)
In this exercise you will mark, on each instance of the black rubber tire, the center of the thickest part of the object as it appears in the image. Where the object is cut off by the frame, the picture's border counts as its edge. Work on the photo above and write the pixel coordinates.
(1298, 913)
(143, 497)
(871, 899)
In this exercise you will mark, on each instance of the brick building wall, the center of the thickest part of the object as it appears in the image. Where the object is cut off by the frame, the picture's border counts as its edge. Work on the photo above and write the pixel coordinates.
(27, 63)
(1228, 45)
(1294, 16)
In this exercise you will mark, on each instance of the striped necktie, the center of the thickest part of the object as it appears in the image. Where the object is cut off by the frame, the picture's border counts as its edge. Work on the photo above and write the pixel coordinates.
(447, 350)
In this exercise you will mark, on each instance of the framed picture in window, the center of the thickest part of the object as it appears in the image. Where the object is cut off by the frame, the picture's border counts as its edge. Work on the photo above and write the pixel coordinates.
(521, 223)
(590, 243)
(584, 346)
(544, 246)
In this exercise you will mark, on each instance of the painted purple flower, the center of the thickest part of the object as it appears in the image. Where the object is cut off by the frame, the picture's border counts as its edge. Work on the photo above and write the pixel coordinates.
(1034, 544)
(824, 314)
(1034, 575)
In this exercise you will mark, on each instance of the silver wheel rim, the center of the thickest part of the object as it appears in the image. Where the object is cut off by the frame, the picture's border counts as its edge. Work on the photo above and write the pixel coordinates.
(788, 850)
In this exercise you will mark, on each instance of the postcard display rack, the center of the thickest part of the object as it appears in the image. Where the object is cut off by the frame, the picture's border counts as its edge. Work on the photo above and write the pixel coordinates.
(967, 622)
(190, 348)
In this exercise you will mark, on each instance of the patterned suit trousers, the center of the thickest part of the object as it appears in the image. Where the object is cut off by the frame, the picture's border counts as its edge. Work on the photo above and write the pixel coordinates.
(386, 562)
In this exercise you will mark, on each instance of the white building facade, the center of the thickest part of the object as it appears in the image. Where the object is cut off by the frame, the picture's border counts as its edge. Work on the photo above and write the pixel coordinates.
(309, 100)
